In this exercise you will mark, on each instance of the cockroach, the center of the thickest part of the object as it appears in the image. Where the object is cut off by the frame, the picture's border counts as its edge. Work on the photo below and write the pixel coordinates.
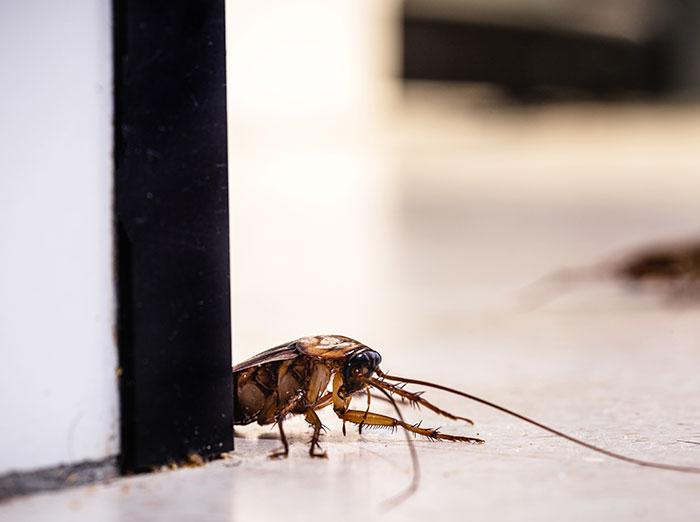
(293, 379)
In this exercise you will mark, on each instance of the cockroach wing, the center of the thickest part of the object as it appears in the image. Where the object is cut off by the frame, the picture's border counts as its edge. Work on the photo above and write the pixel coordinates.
(328, 347)
(283, 352)
(320, 347)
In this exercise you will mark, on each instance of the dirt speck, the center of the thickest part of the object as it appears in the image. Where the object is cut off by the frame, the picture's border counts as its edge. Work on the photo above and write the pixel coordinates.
(194, 460)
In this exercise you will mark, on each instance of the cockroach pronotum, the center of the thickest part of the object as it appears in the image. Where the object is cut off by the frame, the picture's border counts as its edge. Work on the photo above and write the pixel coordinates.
(293, 379)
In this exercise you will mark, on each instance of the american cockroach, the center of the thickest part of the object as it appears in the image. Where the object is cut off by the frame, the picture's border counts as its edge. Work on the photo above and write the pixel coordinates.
(293, 379)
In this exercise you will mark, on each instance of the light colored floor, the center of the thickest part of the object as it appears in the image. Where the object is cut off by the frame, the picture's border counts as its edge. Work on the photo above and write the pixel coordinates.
(421, 238)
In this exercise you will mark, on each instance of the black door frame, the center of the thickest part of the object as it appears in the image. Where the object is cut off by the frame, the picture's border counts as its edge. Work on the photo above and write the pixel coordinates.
(172, 231)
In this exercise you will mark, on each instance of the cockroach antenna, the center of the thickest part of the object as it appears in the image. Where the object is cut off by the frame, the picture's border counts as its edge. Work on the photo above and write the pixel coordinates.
(592, 447)
(415, 481)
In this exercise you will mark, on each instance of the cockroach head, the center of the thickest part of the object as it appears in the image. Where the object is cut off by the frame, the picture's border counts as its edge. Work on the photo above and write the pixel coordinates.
(359, 367)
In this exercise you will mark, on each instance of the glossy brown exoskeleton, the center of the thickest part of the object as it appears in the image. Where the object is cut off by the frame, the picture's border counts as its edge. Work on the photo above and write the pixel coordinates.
(292, 379)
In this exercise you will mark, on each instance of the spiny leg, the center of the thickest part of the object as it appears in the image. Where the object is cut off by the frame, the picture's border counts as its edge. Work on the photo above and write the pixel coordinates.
(376, 397)
(378, 420)
(284, 452)
(313, 419)
(415, 398)
(400, 405)
(369, 401)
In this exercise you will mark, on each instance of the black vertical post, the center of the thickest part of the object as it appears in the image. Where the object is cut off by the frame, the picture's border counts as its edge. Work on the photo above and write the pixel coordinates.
(172, 230)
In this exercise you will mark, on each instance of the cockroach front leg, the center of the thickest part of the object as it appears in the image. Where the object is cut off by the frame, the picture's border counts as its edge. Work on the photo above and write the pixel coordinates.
(377, 420)
(313, 419)
(369, 402)
(284, 452)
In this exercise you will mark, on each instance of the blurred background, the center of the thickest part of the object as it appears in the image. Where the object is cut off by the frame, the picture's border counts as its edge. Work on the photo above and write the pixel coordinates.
(400, 170)
(416, 174)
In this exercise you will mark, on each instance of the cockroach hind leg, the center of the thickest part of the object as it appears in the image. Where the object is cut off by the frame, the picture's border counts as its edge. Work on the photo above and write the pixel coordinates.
(320, 454)
(284, 452)
(281, 454)
(313, 446)
(313, 419)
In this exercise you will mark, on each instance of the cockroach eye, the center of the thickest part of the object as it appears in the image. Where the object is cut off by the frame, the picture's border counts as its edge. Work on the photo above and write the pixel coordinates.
(362, 364)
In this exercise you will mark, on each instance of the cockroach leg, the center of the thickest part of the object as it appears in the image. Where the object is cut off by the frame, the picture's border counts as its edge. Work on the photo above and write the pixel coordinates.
(369, 401)
(377, 420)
(323, 401)
(284, 452)
(415, 398)
(312, 418)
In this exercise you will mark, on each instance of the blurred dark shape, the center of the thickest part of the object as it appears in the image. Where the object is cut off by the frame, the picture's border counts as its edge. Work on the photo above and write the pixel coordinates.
(614, 49)
(670, 270)
(674, 265)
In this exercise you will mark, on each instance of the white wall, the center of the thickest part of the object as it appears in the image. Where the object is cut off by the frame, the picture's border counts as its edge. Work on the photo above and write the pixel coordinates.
(309, 83)
(58, 391)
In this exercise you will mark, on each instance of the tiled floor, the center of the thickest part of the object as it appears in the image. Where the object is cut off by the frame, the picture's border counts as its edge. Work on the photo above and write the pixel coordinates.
(421, 239)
